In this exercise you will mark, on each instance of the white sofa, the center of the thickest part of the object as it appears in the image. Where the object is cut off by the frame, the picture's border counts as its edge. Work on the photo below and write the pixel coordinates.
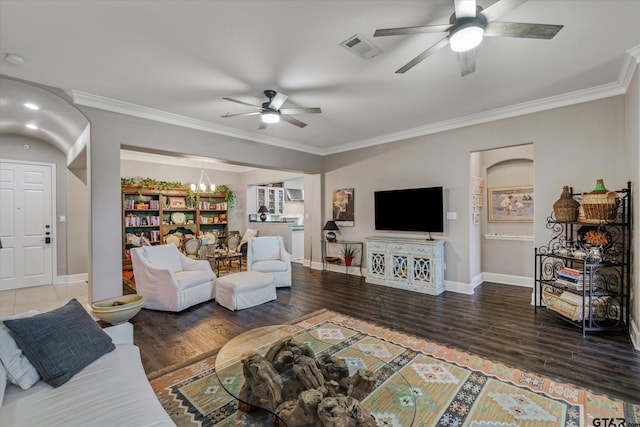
(112, 391)
(169, 280)
(268, 255)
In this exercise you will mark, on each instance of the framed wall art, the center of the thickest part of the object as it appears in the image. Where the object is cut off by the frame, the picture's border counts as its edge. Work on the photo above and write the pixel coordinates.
(343, 207)
(177, 203)
(511, 204)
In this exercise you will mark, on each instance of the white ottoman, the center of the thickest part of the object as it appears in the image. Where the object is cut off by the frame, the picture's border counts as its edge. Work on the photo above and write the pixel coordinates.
(246, 289)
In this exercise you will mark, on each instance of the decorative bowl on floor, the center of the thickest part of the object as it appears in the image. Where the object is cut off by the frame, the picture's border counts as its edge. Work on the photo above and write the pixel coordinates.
(118, 309)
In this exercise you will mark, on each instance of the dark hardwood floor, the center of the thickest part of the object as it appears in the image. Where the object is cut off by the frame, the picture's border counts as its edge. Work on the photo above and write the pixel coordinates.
(497, 322)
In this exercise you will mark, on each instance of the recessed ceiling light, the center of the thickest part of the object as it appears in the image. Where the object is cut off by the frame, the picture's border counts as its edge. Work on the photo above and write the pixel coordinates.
(32, 126)
(31, 106)
(14, 59)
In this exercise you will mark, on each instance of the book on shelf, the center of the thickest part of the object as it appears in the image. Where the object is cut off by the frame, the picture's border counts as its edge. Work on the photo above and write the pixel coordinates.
(568, 271)
(569, 277)
(572, 284)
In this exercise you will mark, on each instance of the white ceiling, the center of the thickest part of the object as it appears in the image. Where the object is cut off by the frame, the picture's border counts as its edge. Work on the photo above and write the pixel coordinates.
(175, 60)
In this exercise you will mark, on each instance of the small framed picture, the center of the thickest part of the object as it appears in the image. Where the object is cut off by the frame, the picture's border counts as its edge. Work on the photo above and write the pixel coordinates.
(253, 217)
(177, 203)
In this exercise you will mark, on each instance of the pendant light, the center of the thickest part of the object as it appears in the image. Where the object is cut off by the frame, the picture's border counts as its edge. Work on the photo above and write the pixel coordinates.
(202, 186)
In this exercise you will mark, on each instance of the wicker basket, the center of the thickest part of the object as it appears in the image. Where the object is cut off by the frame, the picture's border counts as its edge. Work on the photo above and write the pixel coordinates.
(142, 206)
(565, 208)
(571, 306)
(601, 205)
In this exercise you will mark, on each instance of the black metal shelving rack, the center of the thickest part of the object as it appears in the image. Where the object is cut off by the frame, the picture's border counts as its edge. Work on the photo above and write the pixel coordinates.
(605, 293)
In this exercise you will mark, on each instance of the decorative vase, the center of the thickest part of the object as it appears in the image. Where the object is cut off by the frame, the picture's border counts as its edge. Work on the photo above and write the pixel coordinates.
(566, 207)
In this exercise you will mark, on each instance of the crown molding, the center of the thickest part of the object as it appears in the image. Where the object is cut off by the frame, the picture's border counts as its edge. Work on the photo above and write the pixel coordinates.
(619, 87)
(121, 107)
(577, 97)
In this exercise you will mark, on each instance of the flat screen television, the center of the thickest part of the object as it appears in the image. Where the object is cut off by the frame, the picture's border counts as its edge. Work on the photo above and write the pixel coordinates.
(413, 209)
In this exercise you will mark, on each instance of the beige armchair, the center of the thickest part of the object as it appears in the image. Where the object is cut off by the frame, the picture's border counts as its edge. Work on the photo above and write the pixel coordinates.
(169, 280)
(268, 255)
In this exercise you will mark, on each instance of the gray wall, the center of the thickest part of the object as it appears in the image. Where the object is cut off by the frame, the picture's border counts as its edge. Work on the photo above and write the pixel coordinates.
(632, 157)
(506, 167)
(573, 145)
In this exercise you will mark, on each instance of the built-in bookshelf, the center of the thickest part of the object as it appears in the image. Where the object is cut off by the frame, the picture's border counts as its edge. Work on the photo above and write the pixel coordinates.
(151, 216)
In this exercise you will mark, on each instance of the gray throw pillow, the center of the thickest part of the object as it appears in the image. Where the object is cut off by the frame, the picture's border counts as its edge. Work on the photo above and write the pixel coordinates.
(61, 342)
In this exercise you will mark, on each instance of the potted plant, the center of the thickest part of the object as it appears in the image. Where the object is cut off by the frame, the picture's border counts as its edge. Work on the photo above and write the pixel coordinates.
(348, 253)
(230, 196)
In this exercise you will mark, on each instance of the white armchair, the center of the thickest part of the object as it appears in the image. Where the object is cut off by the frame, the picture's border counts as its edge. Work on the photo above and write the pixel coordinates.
(170, 281)
(268, 255)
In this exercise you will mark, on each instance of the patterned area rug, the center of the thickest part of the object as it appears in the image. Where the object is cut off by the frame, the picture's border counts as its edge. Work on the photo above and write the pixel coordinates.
(446, 387)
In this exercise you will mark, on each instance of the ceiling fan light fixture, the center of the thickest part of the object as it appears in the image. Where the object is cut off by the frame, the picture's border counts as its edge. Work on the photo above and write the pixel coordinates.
(466, 37)
(270, 117)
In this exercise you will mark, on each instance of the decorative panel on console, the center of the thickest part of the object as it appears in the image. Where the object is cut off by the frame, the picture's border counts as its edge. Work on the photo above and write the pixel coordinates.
(412, 264)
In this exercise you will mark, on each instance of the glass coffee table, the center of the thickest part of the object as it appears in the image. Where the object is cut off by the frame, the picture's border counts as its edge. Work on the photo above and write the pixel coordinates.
(303, 377)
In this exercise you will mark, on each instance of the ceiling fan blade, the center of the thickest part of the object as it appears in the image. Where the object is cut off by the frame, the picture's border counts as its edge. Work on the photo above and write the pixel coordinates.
(293, 121)
(300, 110)
(278, 100)
(415, 61)
(467, 62)
(522, 29)
(242, 102)
(241, 114)
(404, 31)
(499, 8)
(465, 8)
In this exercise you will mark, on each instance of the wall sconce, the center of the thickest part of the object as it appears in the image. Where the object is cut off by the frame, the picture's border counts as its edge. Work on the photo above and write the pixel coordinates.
(331, 227)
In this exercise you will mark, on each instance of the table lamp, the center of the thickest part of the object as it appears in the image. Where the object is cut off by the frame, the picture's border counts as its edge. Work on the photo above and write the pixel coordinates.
(263, 213)
(331, 227)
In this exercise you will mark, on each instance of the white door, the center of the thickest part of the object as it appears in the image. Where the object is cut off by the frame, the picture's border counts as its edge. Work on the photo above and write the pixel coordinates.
(26, 225)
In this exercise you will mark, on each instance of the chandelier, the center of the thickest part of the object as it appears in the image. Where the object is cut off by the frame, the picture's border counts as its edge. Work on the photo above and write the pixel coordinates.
(201, 186)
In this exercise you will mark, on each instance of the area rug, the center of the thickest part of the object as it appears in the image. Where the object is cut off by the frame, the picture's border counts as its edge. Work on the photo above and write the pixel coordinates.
(446, 387)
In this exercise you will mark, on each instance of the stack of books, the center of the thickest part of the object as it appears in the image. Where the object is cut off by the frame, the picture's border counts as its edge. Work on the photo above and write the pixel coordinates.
(571, 278)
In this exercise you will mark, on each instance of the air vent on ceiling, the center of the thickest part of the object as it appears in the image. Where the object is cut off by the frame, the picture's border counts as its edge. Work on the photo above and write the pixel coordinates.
(361, 47)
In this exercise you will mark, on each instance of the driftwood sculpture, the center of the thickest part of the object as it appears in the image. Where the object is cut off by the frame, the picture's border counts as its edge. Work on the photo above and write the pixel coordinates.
(305, 391)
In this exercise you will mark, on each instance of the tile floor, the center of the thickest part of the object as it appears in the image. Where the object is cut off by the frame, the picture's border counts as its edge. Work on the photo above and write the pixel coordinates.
(41, 298)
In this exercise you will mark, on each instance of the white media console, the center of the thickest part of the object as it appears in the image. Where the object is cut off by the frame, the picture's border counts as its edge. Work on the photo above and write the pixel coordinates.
(412, 264)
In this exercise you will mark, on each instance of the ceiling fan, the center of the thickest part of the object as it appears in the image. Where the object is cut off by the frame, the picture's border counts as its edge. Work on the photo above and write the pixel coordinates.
(467, 26)
(271, 111)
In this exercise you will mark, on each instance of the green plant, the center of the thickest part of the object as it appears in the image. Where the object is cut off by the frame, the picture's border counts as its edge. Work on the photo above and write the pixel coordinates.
(165, 185)
(230, 197)
(192, 198)
(127, 181)
(148, 182)
(348, 252)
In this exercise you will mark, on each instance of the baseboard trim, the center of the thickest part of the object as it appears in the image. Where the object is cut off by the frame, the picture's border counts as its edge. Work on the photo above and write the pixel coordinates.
(459, 287)
(71, 278)
(507, 279)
